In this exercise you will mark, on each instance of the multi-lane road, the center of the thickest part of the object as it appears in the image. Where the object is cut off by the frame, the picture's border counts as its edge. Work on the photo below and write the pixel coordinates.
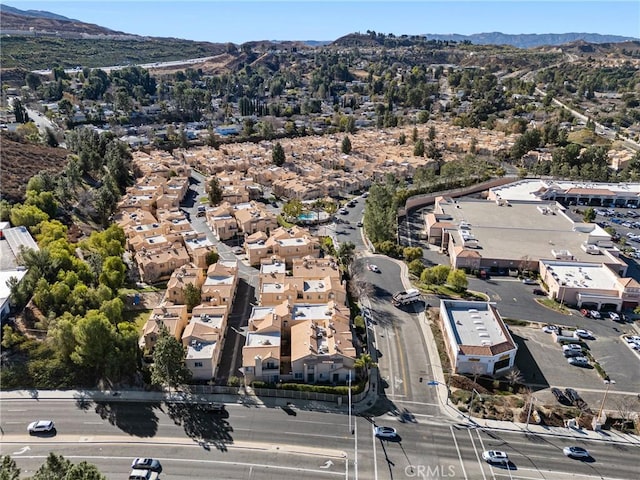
(269, 442)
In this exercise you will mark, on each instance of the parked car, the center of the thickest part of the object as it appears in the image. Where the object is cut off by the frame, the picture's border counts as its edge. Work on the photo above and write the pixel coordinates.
(572, 395)
(41, 426)
(614, 316)
(495, 456)
(595, 314)
(572, 346)
(385, 432)
(529, 281)
(582, 333)
(560, 397)
(359, 224)
(578, 361)
(539, 291)
(576, 452)
(550, 329)
(572, 353)
(146, 464)
(585, 313)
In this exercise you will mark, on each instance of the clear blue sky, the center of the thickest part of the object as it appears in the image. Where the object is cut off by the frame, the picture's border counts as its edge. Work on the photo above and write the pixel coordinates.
(243, 20)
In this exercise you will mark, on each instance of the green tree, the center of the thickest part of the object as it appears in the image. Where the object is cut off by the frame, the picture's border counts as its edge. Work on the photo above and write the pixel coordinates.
(418, 148)
(346, 145)
(19, 111)
(457, 279)
(113, 309)
(277, 155)
(114, 273)
(402, 139)
(589, 215)
(292, 209)
(27, 215)
(416, 267)
(412, 253)
(168, 362)
(414, 135)
(33, 81)
(94, 336)
(9, 469)
(432, 133)
(212, 257)
(345, 253)
(84, 471)
(440, 274)
(215, 191)
(192, 296)
(54, 468)
(362, 364)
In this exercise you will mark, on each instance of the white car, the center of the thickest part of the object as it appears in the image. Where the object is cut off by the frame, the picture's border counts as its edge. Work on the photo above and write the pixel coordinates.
(385, 432)
(550, 329)
(594, 314)
(576, 452)
(41, 426)
(529, 281)
(614, 316)
(572, 346)
(495, 456)
(373, 268)
(582, 333)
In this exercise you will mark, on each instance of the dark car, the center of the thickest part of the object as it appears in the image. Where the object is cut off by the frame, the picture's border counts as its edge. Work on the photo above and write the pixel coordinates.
(146, 464)
(572, 395)
(214, 407)
(560, 397)
(539, 291)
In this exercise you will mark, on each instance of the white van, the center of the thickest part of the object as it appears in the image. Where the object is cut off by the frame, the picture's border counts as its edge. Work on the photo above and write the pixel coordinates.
(139, 474)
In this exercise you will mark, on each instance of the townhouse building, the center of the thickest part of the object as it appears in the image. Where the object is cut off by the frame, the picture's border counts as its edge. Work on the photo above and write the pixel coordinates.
(220, 284)
(203, 339)
(172, 317)
(187, 274)
(288, 244)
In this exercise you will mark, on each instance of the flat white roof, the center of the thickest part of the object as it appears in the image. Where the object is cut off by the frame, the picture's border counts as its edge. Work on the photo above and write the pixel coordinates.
(288, 242)
(201, 351)
(219, 280)
(524, 189)
(263, 339)
(311, 312)
(269, 268)
(582, 275)
(474, 323)
(198, 242)
(209, 320)
(272, 287)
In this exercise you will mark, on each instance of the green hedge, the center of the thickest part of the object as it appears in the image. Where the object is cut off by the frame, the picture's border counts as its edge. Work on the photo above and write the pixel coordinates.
(303, 387)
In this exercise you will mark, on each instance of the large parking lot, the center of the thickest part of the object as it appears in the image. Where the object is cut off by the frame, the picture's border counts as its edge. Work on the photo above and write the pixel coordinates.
(542, 362)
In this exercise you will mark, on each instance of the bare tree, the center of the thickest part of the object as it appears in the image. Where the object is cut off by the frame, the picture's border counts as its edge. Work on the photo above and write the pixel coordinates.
(513, 377)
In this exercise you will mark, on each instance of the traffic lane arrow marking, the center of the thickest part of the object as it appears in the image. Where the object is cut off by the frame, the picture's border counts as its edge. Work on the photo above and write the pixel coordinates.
(327, 464)
(22, 450)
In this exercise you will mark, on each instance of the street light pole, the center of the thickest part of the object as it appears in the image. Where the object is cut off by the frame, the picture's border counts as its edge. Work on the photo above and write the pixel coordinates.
(531, 400)
(349, 393)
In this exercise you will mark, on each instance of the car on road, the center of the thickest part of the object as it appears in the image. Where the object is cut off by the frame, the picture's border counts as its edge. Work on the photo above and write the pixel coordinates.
(146, 464)
(560, 397)
(359, 224)
(582, 333)
(385, 432)
(539, 291)
(41, 426)
(576, 452)
(578, 361)
(595, 314)
(343, 211)
(214, 407)
(495, 456)
(373, 268)
(614, 316)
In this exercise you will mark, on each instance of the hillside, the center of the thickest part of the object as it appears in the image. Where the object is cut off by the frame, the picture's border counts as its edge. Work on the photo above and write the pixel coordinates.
(21, 161)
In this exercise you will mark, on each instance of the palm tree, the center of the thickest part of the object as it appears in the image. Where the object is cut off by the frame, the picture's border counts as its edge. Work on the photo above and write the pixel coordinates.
(362, 365)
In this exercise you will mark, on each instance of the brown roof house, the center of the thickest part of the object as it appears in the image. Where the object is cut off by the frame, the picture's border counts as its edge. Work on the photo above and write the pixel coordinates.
(202, 338)
(222, 222)
(158, 264)
(289, 244)
(185, 275)
(312, 280)
(220, 284)
(172, 317)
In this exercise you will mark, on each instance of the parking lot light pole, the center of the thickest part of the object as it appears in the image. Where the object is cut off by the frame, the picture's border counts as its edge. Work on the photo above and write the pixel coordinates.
(604, 399)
